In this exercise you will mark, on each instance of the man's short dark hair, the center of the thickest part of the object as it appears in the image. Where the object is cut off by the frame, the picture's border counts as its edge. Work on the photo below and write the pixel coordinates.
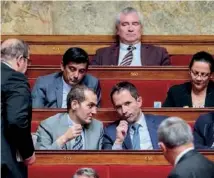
(75, 55)
(124, 86)
(203, 56)
(77, 93)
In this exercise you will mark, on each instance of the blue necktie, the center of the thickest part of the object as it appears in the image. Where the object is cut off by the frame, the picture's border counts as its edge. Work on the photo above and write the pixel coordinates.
(78, 145)
(136, 137)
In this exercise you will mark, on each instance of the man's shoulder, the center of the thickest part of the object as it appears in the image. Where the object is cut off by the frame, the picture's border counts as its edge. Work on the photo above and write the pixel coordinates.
(50, 77)
(205, 118)
(113, 125)
(108, 49)
(90, 80)
(152, 117)
(53, 120)
(152, 47)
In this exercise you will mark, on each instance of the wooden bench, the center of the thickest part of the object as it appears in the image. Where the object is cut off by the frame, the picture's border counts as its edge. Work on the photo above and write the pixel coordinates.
(151, 82)
(108, 164)
(48, 49)
(109, 115)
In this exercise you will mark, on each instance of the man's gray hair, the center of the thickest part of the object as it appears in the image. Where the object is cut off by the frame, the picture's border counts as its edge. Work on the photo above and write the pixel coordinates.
(10, 50)
(86, 172)
(128, 10)
(174, 132)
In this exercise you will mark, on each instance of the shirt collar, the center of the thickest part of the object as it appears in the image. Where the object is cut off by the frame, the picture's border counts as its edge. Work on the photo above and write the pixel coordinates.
(125, 46)
(70, 122)
(65, 85)
(141, 120)
(182, 154)
(6, 63)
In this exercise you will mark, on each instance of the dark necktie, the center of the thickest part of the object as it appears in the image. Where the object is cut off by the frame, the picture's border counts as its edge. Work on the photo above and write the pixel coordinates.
(78, 145)
(136, 137)
(127, 60)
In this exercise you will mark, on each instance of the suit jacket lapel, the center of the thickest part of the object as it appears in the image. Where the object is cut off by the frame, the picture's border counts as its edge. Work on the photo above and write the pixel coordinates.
(88, 132)
(127, 144)
(59, 91)
(144, 54)
(62, 128)
(187, 155)
(114, 55)
(152, 128)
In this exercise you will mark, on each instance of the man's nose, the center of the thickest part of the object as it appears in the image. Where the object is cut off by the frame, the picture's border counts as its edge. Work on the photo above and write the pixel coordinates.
(131, 28)
(94, 110)
(76, 74)
(124, 109)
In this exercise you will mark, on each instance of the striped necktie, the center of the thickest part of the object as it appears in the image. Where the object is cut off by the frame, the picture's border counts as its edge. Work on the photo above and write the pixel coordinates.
(136, 137)
(127, 60)
(78, 145)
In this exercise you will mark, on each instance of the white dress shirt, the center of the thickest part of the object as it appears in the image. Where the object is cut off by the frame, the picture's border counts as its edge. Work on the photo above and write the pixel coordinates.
(145, 139)
(136, 54)
(71, 123)
(65, 91)
(182, 154)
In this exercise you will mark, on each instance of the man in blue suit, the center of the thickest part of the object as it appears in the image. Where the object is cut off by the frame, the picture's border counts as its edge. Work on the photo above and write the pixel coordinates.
(134, 130)
(51, 91)
(204, 131)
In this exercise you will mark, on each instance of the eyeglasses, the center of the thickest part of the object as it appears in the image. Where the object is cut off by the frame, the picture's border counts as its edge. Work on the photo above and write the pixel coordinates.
(203, 75)
(29, 61)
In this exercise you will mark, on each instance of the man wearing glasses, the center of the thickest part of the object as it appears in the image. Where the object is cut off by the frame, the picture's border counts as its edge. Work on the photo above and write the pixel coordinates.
(199, 92)
(17, 151)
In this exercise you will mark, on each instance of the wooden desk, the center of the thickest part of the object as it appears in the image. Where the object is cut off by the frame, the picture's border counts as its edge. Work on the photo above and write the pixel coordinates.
(105, 157)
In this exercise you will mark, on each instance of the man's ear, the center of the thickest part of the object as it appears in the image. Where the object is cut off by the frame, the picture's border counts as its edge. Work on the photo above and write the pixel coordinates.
(74, 105)
(162, 146)
(140, 101)
(19, 60)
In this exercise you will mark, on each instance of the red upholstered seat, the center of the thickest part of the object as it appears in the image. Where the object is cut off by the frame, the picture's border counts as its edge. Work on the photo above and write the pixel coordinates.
(34, 125)
(139, 171)
(62, 171)
(150, 90)
(180, 60)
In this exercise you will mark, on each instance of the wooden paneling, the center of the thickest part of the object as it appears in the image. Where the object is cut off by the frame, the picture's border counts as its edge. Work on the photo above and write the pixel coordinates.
(55, 45)
(109, 115)
(120, 73)
(105, 158)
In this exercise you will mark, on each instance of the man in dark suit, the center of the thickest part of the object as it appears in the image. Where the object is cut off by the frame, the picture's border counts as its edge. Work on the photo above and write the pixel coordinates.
(17, 149)
(134, 130)
(129, 51)
(204, 131)
(176, 140)
(51, 91)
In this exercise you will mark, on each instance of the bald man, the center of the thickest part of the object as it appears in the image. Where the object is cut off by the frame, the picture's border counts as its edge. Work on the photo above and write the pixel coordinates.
(17, 149)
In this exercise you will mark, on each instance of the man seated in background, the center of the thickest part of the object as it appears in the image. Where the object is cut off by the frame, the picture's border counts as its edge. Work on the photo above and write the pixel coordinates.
(129, 51)
(50, 91)
(135, 130)
(176, 140)
(204, 131)
(85, 173)
(76, 129)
